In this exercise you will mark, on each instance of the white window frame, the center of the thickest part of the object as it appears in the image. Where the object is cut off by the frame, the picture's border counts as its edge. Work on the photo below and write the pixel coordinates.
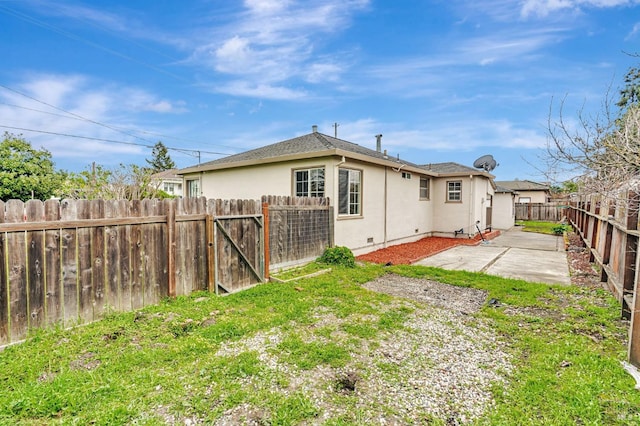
(315, 177)
(352, 204)
(454, 191)
(425, 191)
(193, 188)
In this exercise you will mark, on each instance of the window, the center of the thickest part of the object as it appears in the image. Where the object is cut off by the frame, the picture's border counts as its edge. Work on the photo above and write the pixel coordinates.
(454, 191)
(406, 175)
(172, 188)
(193, 188)
(349, 192)
(309, 182)
(424, 188)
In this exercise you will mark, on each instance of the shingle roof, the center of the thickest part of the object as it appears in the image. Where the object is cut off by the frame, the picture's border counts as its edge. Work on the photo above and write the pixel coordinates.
(503, 189)
(305, 144)
(166, 174)
(522, 185)
(449, 167)
(315, 142)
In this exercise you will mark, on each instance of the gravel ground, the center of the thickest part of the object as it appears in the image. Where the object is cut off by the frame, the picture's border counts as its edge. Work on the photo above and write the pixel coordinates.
(440, 365)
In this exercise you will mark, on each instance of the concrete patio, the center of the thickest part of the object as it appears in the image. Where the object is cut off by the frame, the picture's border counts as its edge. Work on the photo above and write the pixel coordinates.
(514, 254)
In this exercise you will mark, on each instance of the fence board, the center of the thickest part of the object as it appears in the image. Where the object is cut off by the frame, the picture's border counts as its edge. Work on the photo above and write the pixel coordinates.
(17, 280)
(68, 254)
(53, 278)
(136, 258)
(4, 280)
(34, 211)
(85, 284)
(98, 250)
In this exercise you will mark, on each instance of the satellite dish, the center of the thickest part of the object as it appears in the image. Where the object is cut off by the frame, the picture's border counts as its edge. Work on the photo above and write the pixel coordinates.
(486, 162)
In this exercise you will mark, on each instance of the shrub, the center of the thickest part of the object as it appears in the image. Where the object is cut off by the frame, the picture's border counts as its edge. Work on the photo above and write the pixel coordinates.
(338, 256)
(560, 229)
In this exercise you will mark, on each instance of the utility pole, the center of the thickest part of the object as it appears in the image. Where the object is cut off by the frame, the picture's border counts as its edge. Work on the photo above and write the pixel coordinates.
(335, 131)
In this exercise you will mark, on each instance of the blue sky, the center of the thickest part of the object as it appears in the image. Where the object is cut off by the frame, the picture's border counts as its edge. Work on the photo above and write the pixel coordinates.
(447, 80)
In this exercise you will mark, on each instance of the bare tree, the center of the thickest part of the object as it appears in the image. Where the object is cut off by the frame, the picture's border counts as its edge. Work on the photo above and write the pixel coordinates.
(601, 151)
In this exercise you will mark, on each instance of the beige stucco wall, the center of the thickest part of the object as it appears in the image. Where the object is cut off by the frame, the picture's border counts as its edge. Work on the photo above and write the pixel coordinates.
(451, 216)
(536, 196)
(504, 214)
(255, 181)
(402, 218)
(392, 211)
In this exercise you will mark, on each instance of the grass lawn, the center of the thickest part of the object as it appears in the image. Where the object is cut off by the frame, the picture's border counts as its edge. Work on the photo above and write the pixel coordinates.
(183, 361)
(551, 228)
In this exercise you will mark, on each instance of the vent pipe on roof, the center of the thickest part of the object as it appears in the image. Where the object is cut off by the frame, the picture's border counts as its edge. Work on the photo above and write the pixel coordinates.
(314, 128)
(379, 143)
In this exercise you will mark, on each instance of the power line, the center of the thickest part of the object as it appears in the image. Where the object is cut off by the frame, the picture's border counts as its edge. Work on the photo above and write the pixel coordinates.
(74, 114)
(160, 135)
(183, 150)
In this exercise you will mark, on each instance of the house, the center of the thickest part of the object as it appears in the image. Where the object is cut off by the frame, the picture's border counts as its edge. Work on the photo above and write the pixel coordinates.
(378, 200)
(527, 191)
(504, 207)
(168, 181)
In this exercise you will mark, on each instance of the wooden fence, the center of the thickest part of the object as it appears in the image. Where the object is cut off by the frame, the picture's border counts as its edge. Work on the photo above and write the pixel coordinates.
(70, 261)
(300, 229)
(610, 229)
(548, 212)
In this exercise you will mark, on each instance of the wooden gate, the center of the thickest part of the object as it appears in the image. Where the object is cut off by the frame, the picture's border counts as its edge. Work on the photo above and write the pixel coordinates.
(238, 245)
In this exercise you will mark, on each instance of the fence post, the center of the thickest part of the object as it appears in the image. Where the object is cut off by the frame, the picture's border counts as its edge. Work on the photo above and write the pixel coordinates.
(211, 258)
(171, 246)
(265, 230)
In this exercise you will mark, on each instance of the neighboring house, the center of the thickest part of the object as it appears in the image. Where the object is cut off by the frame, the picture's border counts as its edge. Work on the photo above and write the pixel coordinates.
(527, 191)
(504, 208)
(169, 182)
(379, 200)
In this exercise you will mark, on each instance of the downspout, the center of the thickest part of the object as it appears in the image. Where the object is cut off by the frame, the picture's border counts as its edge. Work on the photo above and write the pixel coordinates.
(472, 222)
(385, 206)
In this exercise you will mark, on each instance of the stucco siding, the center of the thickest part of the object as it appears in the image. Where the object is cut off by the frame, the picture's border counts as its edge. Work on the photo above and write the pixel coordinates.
(383, 222)
(535, 196)
(504, 215)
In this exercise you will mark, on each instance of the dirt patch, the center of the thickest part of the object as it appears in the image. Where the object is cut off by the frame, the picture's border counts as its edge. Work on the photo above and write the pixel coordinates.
(405, 254)
(582, 271)
(461, 299)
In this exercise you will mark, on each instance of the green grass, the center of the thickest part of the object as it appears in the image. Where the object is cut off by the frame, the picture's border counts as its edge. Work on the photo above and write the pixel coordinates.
(159, 364)
(551, 228)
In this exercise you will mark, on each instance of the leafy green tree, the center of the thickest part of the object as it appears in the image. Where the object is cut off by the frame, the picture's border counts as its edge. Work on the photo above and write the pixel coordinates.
(630, 93)
(160, 159)
(25, 172)
(89, 184)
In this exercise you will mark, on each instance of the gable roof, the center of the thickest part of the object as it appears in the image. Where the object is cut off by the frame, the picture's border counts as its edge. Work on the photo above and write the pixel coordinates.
(503, 189)
(522, 185)
(449, 168)
(166, 174)
(317, 144)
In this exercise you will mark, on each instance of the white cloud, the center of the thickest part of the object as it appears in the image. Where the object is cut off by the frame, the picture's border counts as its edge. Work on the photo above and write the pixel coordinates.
(260, 90)
(544, 8)
(467, 135)
(274, 41)
(634, 32)
(57, 107)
